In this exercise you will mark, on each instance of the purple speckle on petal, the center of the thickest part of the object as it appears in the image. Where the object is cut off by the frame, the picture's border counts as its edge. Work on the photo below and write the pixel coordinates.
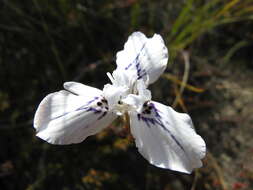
(136, 62)
(94, 110)
(92, 100)
(156, 120)
(155, 110)
(103, 115)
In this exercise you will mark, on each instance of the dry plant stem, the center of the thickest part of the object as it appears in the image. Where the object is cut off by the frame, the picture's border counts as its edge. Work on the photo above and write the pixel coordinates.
(127, 121)
(180, 100)
(185, 55)
(218, 170)
(177, 81)
(194, 183)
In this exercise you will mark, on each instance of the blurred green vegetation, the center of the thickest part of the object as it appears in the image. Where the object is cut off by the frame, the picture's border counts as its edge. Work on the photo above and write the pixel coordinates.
(44, 43)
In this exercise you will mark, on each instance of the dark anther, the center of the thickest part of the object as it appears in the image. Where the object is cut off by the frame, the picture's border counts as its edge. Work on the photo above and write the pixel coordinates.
(104, 100)
(99, 103)
(106, 108)
(145, 104)
(119, 102)
(148, 112)
(150, 107)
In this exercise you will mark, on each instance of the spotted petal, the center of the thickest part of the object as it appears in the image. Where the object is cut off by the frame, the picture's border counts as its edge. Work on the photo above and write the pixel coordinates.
(167, 138)
(66, 118)
(146, 57)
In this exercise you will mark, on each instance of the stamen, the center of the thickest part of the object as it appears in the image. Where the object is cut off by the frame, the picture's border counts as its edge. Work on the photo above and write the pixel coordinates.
(110, 77)
(99, 103)
(148, 112)
(104, 101)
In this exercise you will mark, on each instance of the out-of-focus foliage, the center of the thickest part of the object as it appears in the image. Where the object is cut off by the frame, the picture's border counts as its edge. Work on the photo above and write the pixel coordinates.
(44, 43)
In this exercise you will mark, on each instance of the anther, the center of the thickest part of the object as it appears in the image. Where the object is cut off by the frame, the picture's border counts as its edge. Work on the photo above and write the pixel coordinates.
(104, 100)
(150, 107)
(99, 103)
(148, 112)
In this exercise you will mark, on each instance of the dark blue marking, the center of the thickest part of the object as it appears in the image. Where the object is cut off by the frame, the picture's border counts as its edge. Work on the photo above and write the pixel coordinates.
(173, 137)
(88, 109)
(145, 119)
(136, 58)
(89, 102)
(127, 67)
(140, 72)
(94, 110)
(83, 107)
(139, 116)
(157, 120)
(141, 76)
(155, 110)
(103, 115)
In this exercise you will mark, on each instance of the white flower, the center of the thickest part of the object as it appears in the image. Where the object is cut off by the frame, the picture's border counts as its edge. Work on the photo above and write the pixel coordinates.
(163, 136)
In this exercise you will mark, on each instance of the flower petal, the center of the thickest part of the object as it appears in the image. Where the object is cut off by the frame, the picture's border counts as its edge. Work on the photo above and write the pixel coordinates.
(146, 57)
(65, 118)
(167, 138)
(135, 102)
(81, 89)
(113, 94)
(142, 90)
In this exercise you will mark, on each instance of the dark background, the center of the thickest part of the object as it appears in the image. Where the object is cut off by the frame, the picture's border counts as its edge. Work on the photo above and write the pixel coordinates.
(44, 43)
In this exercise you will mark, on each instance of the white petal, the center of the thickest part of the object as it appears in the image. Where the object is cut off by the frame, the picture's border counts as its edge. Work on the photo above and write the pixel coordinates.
(125, 78)
(142, 90)
(65, 118)
(81, 89)
(136, 102)
(131, 49)
(147, 57)
(167, 139)
(113, 94)
(133, 102)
